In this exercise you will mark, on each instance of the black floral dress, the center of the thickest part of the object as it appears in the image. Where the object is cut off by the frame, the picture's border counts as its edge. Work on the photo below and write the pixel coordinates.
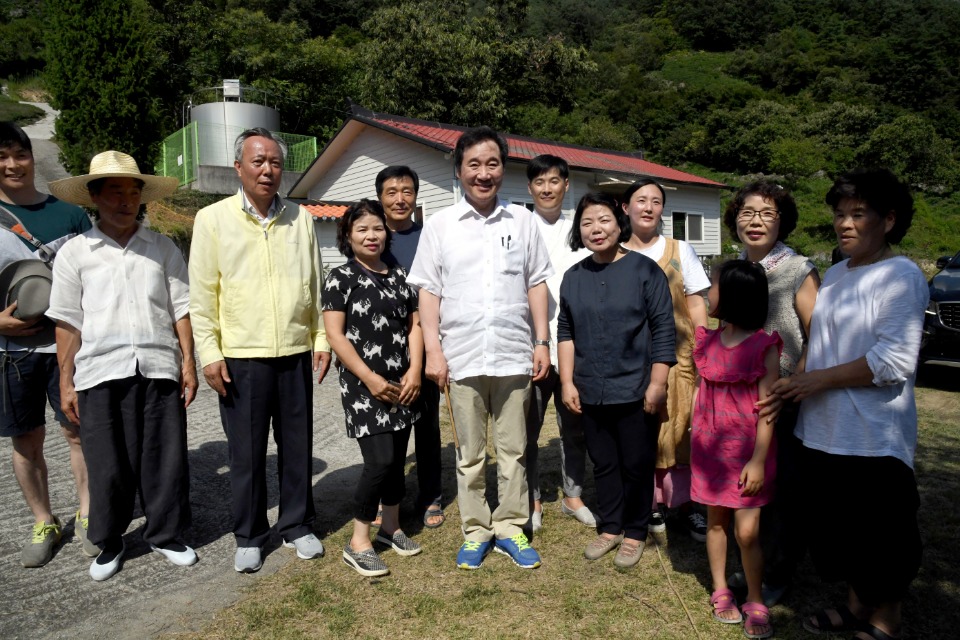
(378, 308)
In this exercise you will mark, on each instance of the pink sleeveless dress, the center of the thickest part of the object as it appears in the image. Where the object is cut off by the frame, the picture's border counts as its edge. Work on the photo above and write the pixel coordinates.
(724, 426)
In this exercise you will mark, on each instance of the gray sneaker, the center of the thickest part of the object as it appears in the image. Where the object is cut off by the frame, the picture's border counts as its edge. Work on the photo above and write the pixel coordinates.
(403, 545)
(80, 526)
(628, 554)
(248, 559)
(601, 546)
(39, 549)
(366, 563)
(307, 546)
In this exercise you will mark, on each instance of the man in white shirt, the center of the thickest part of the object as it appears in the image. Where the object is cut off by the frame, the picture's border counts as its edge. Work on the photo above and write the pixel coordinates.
(548, 179)
(121, 301)
(482, 268)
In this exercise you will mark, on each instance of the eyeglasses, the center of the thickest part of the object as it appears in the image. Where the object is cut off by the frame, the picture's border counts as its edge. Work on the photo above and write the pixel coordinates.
(766, 215)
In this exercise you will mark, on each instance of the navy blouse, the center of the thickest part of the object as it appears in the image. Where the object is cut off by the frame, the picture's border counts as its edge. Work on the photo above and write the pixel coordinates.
(620, 318)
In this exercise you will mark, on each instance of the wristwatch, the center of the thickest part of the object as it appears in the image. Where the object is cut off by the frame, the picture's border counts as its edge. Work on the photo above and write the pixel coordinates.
(541, 343)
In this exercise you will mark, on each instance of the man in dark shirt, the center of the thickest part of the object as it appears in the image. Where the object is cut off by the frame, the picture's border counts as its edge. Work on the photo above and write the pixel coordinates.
(30, 371)
(397, 188)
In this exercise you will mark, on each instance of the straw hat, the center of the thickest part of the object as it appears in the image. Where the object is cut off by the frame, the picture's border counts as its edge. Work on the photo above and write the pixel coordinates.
(112, 164)
(28, 282)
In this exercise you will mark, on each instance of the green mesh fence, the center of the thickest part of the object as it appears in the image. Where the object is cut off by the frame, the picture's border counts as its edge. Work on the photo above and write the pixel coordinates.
(178, 156)
(207, 143)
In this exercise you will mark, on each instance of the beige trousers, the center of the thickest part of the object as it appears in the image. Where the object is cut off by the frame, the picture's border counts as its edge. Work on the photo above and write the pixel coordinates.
(506, 400)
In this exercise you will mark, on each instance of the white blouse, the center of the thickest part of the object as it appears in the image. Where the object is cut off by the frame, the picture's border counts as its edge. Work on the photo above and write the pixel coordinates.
(874, 311)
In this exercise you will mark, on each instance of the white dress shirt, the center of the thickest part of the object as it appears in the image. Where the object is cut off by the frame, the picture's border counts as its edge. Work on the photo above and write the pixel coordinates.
(276, 206)
(125, 302)
(481, 269)
(556, 237)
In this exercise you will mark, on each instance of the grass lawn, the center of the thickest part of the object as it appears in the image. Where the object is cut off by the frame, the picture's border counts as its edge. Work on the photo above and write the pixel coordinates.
(426, 596)
(22, 114)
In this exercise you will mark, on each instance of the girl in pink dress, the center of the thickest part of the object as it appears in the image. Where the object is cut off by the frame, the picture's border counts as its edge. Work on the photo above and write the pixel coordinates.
(732, 451)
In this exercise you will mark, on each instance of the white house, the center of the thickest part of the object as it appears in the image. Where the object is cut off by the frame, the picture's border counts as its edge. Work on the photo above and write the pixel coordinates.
(346, 169)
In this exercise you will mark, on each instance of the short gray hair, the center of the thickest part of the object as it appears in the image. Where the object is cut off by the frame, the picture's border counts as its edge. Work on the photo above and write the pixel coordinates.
(257, 132)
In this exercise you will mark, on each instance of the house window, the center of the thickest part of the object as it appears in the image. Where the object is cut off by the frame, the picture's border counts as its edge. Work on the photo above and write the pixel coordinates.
(528, 205)
(688, 226)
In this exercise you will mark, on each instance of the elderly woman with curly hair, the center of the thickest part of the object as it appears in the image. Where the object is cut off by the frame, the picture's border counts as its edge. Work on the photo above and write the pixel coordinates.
(858, 420)
(762, 215)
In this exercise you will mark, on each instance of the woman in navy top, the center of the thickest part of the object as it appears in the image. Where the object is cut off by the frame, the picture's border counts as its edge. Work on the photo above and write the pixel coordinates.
(616, 343)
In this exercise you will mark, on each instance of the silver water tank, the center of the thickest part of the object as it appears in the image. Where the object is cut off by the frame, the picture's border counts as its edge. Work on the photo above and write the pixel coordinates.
(219, 124)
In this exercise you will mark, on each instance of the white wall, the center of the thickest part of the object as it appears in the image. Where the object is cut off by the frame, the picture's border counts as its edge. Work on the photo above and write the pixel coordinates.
(326, 231)
(354, 173)
(696, 200)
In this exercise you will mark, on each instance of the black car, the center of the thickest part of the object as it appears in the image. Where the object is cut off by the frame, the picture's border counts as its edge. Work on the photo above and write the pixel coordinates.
(941, 327)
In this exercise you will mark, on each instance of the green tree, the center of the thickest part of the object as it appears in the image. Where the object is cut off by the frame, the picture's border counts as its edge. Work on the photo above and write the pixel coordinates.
(102, 70)
(21, 38)
(911, 148)
(437, 61)
(744, 139)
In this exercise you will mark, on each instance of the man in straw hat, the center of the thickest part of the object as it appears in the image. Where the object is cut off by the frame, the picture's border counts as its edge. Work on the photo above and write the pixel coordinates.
(29, 371)
(255, 302)
(121, 301)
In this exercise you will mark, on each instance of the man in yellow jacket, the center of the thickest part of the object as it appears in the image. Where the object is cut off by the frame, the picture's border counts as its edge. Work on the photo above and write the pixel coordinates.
(255, 278)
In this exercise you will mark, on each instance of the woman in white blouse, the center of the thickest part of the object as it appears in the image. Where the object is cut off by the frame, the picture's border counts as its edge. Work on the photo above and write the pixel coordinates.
(858, 419)
(643, 201)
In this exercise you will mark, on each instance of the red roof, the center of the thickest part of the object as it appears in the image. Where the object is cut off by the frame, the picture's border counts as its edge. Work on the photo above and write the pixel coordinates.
(325, 211)
(445, 136)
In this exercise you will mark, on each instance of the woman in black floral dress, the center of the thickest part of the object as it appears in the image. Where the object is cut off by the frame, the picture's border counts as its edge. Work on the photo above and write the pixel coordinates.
(371, 320)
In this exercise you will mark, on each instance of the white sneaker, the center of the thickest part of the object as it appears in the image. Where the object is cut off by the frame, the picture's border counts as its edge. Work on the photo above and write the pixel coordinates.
(177, 553)
(248, 559)
(107, 563)
(308, 546)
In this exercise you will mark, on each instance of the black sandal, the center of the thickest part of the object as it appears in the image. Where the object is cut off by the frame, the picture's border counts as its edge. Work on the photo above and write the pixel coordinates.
(848, 621)
(433, 513)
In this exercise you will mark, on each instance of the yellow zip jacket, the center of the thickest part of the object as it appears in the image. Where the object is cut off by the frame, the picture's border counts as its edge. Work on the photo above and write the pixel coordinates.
(254, 292)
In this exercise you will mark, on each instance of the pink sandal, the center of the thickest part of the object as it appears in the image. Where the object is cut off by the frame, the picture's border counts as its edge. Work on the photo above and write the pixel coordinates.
(723, 601)
(758, 616)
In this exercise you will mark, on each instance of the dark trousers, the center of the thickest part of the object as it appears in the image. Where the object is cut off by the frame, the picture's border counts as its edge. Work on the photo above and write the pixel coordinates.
(381, 480)
(871, 504)
(281, 390)
(426, 442)
(133, 433)
(622, 443)
(782, 520)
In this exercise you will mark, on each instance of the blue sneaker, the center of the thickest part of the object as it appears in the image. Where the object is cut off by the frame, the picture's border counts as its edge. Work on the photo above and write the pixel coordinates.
(519, 550)
(472, 553)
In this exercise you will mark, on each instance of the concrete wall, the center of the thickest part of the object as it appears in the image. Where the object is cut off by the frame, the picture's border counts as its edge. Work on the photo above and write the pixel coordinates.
(224, 180)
